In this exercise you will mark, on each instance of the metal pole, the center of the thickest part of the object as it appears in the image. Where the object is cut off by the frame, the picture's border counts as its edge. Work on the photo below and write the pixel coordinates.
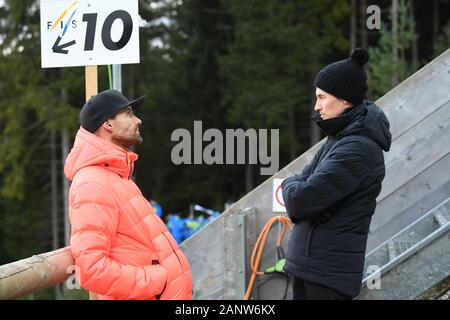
(117, 77)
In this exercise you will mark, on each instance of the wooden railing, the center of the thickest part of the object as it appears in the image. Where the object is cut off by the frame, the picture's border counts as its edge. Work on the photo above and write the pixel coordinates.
(23, 277)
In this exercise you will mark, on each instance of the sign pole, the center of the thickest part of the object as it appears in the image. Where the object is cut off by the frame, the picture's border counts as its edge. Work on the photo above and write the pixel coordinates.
(91, 90)
(91, 81)
(117, 77)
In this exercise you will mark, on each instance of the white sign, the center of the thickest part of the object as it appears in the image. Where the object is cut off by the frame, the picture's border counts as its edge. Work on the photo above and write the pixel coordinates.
(277, 197)
(89, 32)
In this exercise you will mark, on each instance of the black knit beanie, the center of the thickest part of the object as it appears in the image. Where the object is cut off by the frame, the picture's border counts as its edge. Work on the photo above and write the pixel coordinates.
(346, 79)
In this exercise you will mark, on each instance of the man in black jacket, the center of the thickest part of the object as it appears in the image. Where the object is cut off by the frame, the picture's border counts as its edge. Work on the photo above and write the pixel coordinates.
(332, 201)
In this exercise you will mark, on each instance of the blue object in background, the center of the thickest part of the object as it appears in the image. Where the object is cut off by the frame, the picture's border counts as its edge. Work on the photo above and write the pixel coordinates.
(183, 228)
(157, 207)
(177, 227)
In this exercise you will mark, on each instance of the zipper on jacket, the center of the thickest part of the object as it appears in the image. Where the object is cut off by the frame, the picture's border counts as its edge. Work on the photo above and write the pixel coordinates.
(174, 251)
(129, 166)
(131, 170)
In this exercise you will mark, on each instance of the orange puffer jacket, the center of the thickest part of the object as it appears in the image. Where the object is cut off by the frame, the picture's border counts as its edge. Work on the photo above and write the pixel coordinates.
(121, 248)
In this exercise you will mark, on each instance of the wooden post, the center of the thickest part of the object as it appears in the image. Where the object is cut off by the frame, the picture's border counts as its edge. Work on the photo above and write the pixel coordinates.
(91, 90)
(91, 81)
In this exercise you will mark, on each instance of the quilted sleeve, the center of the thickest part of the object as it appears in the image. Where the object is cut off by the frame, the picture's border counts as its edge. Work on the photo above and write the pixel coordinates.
(337, 176)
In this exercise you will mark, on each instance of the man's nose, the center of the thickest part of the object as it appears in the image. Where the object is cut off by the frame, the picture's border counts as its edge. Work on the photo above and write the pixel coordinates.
(139, 121)
(317, 107)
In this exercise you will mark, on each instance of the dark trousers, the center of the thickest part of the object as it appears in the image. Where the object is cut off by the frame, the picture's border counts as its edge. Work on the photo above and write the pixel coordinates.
(305, 290)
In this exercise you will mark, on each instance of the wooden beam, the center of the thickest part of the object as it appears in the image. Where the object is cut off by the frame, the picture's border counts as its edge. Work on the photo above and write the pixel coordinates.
(23, 277)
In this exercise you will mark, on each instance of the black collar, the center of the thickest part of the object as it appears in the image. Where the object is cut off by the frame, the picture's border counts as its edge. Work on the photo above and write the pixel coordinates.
(333, 126)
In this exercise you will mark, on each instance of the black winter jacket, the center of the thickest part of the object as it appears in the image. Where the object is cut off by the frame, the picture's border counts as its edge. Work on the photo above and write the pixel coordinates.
(332, 201)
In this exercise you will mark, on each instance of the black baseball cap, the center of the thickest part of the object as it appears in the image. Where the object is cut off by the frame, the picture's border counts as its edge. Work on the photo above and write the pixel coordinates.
(104, 106)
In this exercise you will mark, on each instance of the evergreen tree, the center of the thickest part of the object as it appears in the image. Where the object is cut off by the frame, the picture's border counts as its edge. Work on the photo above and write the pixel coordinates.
(443, 41)
(182, 78)
(30, 109)
(391, 60)
(278, 47)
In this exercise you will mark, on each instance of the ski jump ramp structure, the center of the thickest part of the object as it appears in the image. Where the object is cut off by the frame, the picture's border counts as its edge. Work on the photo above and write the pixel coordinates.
(413, 201)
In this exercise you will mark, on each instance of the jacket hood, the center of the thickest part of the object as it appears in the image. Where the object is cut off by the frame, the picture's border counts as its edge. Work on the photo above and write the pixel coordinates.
(90, 150)
(366, 119)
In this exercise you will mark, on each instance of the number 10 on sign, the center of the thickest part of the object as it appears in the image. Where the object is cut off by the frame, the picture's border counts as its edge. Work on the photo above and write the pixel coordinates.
(89, 32)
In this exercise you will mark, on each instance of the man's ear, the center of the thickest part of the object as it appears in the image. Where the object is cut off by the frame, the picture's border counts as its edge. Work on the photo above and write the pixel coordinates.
(107, 126)
(346, 103)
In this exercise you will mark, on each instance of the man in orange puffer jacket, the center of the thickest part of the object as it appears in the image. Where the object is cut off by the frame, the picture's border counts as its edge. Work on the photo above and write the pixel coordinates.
(121, 248)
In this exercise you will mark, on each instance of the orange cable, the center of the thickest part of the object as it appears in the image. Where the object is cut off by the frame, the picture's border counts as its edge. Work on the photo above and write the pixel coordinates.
(259, 246)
